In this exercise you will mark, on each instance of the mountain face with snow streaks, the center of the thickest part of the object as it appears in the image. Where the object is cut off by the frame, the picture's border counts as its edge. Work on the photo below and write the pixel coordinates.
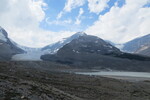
(7, 48)
(139, 45)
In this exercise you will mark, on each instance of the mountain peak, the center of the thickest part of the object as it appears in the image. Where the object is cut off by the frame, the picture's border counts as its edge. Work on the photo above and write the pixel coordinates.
(3, 34)
(81, 33)
(77, 35)
(88, 44)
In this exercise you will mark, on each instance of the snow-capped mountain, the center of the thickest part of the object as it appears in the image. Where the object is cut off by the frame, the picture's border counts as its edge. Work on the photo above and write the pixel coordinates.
(7, 48)
(139, 45)
(86, 45)
(92, 52)
(89, 44)
(53, 48)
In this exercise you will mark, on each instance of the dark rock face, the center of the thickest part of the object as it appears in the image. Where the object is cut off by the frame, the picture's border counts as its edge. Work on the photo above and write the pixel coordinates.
(89, 44)
(7, 49)
(93, 52)
(137, 45)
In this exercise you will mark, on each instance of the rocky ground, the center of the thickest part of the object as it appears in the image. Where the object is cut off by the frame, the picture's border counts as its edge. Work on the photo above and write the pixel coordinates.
(46, 81)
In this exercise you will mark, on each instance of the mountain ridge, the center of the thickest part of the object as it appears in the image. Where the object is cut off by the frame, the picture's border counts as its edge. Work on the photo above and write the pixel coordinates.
(7, 48)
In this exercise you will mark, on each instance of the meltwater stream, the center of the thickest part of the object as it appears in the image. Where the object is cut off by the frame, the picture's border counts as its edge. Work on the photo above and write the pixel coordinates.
(119, 74)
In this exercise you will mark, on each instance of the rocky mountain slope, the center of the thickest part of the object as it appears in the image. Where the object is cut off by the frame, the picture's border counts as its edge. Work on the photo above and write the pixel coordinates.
(145, 50)
(92, 52)
(139, 45)
(7, 48)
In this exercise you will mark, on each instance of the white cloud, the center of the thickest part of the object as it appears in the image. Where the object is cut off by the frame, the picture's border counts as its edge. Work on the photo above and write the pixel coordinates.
(60, 15)
(96, 6)
(58, 22)
(78, 21)
(123, 24)
(21, 19)
(69, 5)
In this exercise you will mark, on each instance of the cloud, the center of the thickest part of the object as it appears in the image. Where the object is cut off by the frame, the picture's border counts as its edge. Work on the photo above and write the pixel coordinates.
(60, 15)
(58, 22)
(78, 21)
(122, 24)
(21, 19)
(69, 5)
(96, 6)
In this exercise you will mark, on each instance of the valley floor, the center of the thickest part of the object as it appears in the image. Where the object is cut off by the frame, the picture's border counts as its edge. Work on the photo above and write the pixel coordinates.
(47, 81)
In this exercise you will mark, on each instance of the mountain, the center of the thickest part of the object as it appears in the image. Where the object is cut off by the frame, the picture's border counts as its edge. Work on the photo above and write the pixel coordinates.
(89, 44)
(7, 48)
(92, 52)
(145, 50)
(139, 45)
(53, 48)
(34, 54)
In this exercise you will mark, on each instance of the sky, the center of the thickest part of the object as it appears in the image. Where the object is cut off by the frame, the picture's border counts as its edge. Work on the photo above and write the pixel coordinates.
(37, 23)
